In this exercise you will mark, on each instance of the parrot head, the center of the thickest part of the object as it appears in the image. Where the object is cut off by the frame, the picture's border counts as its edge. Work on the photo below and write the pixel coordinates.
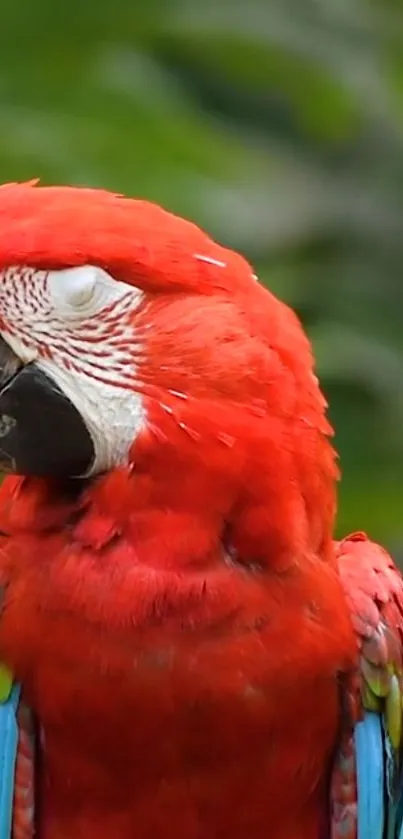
(131, 343)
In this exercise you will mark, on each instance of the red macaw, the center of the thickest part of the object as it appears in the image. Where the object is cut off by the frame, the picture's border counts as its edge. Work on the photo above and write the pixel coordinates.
(195, 650)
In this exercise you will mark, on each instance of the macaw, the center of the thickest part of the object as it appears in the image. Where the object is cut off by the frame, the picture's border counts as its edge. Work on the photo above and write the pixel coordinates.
(186, 651)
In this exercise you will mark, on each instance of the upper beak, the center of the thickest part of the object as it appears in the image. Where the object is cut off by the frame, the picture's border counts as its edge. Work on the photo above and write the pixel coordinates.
(10, 364)
(41, 432)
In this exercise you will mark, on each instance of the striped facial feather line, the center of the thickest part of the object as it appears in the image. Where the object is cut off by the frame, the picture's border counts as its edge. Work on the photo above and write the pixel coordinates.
(102, 345)
(79, 327)
(25, 287)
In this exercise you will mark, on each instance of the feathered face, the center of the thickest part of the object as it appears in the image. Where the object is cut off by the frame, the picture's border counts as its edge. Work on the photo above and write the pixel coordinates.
(72, 391)
(123, 326)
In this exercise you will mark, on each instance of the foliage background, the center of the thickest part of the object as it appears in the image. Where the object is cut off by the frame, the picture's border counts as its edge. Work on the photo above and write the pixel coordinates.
(275, 124)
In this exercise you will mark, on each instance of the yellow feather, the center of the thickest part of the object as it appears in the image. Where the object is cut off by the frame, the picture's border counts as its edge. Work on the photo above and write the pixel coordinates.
(6, 683)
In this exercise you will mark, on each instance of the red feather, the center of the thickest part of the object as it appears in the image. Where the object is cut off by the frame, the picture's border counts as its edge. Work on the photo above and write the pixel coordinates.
(179, 626)
(168, 699)
(374, 592)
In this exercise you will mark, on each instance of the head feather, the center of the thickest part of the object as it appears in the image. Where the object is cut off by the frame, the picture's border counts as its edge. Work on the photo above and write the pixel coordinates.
(223, 360)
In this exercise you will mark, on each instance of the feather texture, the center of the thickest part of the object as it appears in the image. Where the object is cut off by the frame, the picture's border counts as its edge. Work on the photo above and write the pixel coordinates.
(184, 628)
(8, 754)
(374, 592)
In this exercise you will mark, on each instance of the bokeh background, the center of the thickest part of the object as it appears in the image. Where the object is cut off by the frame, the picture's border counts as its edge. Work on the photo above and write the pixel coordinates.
(276, 125)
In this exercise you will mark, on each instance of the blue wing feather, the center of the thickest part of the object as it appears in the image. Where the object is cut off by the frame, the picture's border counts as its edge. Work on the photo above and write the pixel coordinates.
(370, 767)
(379, 782)
(8, 756)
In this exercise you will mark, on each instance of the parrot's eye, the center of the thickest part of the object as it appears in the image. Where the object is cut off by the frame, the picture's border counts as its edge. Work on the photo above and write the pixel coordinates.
(74, 288)
(68, 358)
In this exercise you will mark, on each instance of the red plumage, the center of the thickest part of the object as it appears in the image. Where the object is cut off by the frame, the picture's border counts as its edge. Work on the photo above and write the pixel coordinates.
(180, 626)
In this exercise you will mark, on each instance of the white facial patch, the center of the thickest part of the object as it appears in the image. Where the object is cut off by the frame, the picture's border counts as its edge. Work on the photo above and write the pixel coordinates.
(78, 326)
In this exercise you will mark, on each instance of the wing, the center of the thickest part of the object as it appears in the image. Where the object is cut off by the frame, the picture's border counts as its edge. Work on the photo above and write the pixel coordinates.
(367, 788)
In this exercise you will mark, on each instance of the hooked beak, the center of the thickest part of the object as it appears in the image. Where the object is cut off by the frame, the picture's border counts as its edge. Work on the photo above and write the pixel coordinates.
(41, 432)
(10, 364)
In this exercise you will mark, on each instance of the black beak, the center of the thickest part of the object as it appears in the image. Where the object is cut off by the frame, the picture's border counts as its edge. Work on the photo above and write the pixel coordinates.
(10, 364)
(41, 432)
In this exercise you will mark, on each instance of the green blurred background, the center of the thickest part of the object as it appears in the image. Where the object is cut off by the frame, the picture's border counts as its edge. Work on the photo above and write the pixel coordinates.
(277, 126)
